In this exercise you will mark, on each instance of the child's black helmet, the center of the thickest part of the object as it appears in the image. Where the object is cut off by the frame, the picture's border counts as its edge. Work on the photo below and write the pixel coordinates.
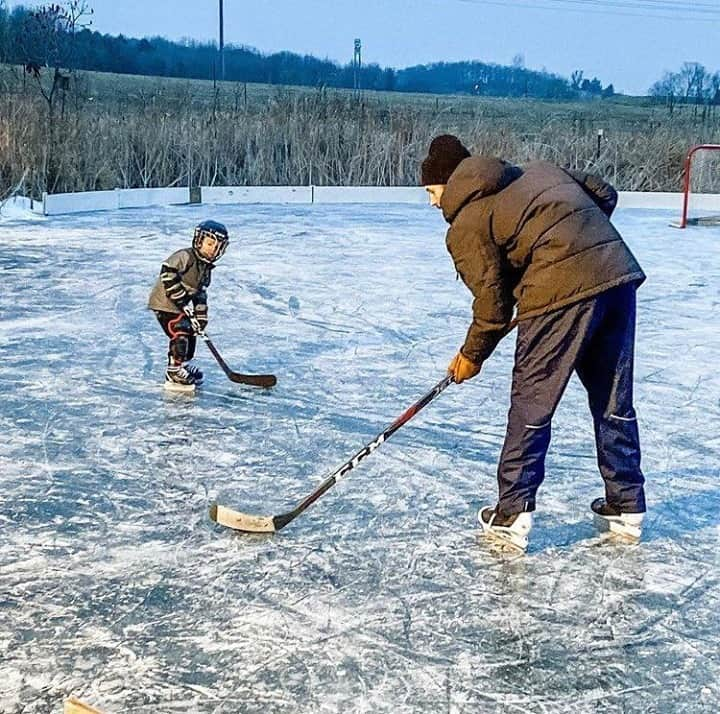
(210, 229)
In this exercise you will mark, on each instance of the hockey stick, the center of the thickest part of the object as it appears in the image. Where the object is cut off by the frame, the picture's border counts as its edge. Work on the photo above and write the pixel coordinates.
(255, 380)
(270, 524)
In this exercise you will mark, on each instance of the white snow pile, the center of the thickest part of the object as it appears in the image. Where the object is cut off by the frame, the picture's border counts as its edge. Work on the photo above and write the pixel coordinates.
(18, 208)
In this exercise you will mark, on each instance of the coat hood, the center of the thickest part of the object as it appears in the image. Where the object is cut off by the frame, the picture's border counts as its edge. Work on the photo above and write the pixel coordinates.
(476, 177)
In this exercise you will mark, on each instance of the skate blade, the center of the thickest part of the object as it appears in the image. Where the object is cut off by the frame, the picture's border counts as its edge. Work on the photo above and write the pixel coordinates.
(617, 529)
(179, 388)
(504, 539)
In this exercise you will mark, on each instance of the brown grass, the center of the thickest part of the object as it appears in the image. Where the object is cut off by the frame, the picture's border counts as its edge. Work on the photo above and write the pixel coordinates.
(127, 132)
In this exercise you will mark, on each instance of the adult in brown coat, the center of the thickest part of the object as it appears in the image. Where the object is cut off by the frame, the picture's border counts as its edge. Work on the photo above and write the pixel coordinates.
(535, 247)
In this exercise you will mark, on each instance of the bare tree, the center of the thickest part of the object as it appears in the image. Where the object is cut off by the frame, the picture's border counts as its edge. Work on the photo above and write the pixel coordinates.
(49, 46)
(715, 88)
(692, 77)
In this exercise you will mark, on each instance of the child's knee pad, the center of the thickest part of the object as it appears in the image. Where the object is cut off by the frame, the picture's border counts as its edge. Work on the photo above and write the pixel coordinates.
(180, 347)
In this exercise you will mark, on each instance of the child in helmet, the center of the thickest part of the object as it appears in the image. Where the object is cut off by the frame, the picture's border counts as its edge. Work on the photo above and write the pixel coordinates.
(180, 293)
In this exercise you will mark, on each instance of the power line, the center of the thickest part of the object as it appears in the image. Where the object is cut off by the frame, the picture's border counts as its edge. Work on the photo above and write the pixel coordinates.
(674, 7)
(672, 10)
(669, 5)
(634, 8)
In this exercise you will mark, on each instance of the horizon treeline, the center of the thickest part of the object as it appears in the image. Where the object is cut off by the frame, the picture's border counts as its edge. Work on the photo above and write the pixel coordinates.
(20, 43)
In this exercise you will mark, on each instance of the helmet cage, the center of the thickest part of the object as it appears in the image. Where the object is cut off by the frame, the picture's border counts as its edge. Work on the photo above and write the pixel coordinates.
(211, 229)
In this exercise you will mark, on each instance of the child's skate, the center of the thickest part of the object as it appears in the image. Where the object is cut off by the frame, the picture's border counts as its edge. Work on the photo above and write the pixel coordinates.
(179, 379)
(195, 373)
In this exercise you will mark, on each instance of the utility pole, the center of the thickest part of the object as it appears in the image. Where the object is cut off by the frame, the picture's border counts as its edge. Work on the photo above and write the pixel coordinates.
(357, 64)
(222, 43)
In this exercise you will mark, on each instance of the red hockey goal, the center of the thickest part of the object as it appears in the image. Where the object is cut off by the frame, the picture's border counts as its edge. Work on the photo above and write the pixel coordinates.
(701, 187)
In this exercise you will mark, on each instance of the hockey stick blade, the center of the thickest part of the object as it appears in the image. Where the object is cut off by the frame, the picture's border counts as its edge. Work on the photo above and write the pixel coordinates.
(246, 522)
(254, 380)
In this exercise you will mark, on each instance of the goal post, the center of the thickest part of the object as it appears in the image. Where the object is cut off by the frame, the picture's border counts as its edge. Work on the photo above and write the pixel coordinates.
(701, 187)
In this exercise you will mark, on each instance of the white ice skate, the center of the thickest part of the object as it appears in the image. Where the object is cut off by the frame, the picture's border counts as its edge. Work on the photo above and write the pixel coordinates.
(609, 519)
(178, 379)
(513, 529)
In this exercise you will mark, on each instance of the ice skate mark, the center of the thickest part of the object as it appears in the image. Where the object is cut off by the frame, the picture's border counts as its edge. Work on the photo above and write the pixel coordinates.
(693, 392)
(397, 335)
(50, 318)
(19, 261)
(45, 437)
(649, 376)
(327, 326)
(446, 315)
(406, 617)
(122, 388)
(147, 357)
(262, 291)
(276, 309)
(268, 297)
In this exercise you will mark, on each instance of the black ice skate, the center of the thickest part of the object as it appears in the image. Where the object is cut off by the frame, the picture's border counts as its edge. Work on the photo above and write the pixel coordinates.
(178, 379)
(611, 519)
(513, 529)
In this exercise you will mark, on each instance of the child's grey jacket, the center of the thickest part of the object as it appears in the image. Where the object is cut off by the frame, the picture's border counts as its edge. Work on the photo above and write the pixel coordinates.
(183, 279)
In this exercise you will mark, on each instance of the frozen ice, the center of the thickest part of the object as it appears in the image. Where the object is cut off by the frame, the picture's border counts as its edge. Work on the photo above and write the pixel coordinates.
(117, 588)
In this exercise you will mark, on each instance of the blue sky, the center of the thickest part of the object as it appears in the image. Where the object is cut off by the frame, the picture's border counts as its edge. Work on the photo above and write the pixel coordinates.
(627, 42)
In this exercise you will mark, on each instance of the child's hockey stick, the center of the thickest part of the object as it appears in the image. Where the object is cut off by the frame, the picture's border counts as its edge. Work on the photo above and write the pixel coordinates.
(256, 380)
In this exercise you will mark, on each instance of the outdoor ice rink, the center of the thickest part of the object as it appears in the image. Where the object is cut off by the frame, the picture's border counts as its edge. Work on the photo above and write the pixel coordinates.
(116, 587)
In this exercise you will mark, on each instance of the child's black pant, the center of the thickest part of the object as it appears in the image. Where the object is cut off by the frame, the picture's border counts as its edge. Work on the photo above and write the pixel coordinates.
(182, 337)
(595, 338)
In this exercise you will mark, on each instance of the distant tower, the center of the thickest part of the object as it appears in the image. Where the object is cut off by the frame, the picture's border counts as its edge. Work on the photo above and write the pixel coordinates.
(221, 44)
(357, 65)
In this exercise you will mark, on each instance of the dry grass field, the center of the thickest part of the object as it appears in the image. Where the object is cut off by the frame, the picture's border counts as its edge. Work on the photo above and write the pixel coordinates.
(124, 131)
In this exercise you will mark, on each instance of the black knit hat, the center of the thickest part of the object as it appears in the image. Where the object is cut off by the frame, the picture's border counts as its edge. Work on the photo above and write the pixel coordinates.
(445, 153)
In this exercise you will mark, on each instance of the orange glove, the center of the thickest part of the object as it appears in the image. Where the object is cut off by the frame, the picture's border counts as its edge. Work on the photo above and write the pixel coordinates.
(462, 368)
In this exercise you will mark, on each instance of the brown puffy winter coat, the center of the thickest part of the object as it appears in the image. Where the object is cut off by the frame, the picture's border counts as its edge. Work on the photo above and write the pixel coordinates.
(534, 239)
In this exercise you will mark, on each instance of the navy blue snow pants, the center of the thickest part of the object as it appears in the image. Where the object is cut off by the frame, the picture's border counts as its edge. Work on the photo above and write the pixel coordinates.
(595, 338)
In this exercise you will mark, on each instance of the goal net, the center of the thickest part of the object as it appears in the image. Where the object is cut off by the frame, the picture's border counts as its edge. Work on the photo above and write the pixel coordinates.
(701, 186)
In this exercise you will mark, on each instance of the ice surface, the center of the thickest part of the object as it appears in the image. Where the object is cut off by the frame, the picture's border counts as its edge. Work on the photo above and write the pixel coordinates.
(116, 587)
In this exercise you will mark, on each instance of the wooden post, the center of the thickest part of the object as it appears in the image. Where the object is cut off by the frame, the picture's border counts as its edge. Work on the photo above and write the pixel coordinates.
(222, 43)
